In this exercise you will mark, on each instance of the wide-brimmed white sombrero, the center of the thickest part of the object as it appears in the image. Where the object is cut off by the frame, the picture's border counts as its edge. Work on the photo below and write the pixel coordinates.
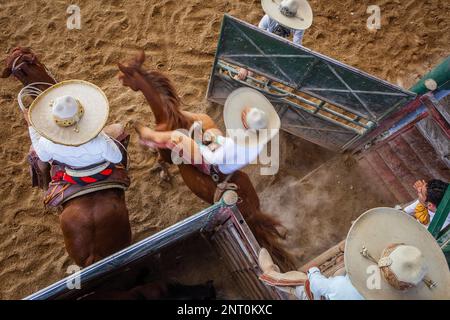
(70, 113)
(389, 255)
(294, 14)
(250, 118)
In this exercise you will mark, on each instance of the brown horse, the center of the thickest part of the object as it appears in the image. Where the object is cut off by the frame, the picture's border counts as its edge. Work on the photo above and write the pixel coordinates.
(94, 225)
(165, 104)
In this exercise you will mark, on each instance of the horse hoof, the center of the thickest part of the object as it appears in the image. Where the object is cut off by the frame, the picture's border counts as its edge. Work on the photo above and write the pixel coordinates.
(165, 176)
(156, 167)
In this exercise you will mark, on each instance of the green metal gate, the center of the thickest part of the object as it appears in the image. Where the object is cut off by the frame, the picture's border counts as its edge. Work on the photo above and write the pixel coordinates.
(442, 236)
(317, 98)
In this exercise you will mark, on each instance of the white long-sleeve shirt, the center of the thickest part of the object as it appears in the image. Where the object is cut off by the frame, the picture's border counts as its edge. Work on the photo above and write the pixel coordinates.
(269, 25)
(334, 288)
(230, 157)
(411, 209)
(100, 149)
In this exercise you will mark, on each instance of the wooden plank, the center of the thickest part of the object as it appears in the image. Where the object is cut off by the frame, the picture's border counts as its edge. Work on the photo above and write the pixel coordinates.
(415, 164)
(423, 149)
(398, 168)
(385, 173)
(374, 179)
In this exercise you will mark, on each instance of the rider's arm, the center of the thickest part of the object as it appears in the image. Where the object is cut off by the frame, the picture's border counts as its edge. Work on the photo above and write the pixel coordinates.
(264, 23)
(110, 150)
(218, 156)
(320, 285)
(298, 36)
(38, 146)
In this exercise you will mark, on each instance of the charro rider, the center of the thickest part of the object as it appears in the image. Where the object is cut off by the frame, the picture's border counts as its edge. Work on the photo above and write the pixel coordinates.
(388, 255)
(251, 122)
(65, 125)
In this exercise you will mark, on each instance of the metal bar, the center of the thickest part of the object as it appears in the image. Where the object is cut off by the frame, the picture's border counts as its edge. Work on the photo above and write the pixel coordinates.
(441, 214)
(319, 107)
(318, 115)
(266, 55)
(357, 91)
(317, 129)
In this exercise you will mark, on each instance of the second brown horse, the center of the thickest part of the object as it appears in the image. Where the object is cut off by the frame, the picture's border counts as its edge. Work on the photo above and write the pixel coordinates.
(165, 104)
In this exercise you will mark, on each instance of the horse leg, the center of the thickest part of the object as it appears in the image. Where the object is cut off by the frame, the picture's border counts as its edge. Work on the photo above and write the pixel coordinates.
(162, 167)
(95, 226)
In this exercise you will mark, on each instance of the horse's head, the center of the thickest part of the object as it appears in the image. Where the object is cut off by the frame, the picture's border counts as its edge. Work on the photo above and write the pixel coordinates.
(131, 73)
(157, 88)
(23, 64)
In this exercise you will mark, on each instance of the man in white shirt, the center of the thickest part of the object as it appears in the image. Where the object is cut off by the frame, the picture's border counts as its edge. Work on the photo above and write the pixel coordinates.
(313, 286)
(100, 149)
(333, 288)
(284, 18)
(382, 261)
(65, 125)
(430, 195)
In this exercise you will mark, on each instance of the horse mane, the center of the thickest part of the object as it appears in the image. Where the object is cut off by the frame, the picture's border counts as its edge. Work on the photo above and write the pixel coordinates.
(167, 93)
(171, 99)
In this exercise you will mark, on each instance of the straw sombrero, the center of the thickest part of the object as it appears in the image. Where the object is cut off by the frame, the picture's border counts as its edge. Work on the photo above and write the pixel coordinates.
(70, 113)
(407, 256)
(294, 14)
(250, 118)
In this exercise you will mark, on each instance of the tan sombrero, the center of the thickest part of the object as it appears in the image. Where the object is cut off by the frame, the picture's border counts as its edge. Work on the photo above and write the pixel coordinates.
(294, 14)
(70, 113)
(250, 118)
(408, 258)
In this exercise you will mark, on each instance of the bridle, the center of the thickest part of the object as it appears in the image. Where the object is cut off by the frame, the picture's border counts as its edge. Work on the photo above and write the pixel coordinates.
(30, 90)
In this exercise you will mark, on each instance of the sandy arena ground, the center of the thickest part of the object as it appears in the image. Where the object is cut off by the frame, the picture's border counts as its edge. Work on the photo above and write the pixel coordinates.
(179, 38)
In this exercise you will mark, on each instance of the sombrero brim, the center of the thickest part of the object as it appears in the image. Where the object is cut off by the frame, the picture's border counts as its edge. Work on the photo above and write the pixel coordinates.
(96, 110)
(242, 98)
(380, 227)
(303, 19)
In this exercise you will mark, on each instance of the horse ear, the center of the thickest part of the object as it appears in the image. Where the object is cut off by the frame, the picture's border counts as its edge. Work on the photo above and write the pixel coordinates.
(6, 72)
(124, 69)
(140, 57)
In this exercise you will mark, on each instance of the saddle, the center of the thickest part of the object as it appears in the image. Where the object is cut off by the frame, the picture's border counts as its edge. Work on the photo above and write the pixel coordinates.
(60, 191)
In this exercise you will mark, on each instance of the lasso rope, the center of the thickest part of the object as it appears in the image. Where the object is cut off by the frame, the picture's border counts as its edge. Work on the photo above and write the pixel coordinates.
(29, 91)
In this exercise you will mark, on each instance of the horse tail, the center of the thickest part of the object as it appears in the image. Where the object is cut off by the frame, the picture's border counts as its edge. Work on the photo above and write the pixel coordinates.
(264, 228)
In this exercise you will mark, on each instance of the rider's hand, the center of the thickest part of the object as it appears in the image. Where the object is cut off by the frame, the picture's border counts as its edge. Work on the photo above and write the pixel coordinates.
(421, 189)
(419, 184)
(242, 74)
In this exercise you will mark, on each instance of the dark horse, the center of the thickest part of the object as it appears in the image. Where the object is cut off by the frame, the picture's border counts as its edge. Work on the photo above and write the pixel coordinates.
(165, 104)
(94, 225)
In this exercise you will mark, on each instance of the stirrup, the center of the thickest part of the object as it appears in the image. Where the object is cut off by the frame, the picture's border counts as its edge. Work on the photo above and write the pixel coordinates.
(29, 91)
